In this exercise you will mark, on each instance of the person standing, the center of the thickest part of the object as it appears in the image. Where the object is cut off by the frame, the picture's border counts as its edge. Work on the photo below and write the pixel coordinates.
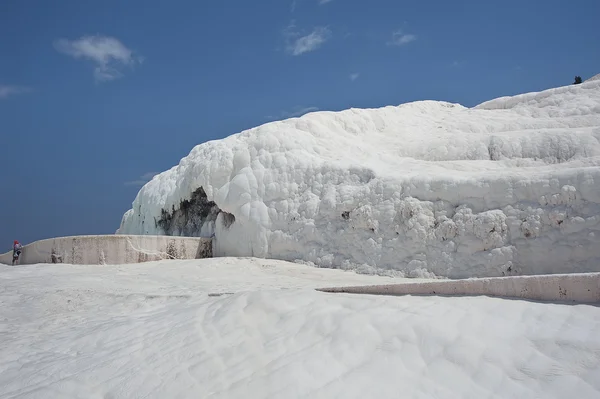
(17, 248)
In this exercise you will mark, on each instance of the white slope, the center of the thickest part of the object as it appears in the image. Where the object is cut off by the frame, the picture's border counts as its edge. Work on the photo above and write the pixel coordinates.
(154, 331)
(595, 77)
(508, 187)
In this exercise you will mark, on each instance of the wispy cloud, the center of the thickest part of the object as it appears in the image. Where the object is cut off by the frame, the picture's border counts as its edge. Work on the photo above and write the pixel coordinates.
(293, 113)
(297, 44)
(298, 111)
(354, 76)
(107, 53)
(399, 38)
(7, 91)
(324, 1)
(145, 178)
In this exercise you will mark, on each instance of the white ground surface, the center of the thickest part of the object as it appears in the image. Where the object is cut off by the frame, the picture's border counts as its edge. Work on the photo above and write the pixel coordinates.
(507, 187)
(153, 331)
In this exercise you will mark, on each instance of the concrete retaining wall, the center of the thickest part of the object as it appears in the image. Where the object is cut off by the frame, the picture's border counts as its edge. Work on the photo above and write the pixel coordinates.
(584, 288)
(112, 249)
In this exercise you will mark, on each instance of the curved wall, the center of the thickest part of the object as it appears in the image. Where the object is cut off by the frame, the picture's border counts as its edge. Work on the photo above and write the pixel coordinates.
(112, 249)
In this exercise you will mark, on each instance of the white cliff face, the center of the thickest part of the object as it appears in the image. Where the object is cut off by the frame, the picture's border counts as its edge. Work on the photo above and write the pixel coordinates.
(511, 186)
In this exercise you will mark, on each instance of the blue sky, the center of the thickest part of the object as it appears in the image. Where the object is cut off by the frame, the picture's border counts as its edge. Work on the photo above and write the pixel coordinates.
(95, 96)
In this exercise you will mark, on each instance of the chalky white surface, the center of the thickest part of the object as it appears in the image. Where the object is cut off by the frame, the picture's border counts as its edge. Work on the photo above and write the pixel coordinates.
(508, 187)
(156, 330)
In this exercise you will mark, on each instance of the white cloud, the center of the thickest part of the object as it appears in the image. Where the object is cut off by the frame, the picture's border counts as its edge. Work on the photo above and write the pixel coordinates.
(293, 113)
(145, 178)
(298, 111)
(400, 38)
(324, 1)
(108, 53)
(354, 76)
(6, 91)
(297, 44)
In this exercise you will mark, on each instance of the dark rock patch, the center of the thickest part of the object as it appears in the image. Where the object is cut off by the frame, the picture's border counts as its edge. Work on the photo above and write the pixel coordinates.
(191, 215)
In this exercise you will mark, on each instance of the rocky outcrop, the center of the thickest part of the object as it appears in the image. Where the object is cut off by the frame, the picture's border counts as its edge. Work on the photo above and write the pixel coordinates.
(509, 187)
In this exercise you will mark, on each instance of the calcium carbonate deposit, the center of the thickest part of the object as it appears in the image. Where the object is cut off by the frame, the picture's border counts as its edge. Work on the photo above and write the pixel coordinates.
(511, 186)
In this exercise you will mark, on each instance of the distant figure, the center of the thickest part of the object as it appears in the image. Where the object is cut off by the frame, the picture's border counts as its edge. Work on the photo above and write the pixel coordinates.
(17, 247)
